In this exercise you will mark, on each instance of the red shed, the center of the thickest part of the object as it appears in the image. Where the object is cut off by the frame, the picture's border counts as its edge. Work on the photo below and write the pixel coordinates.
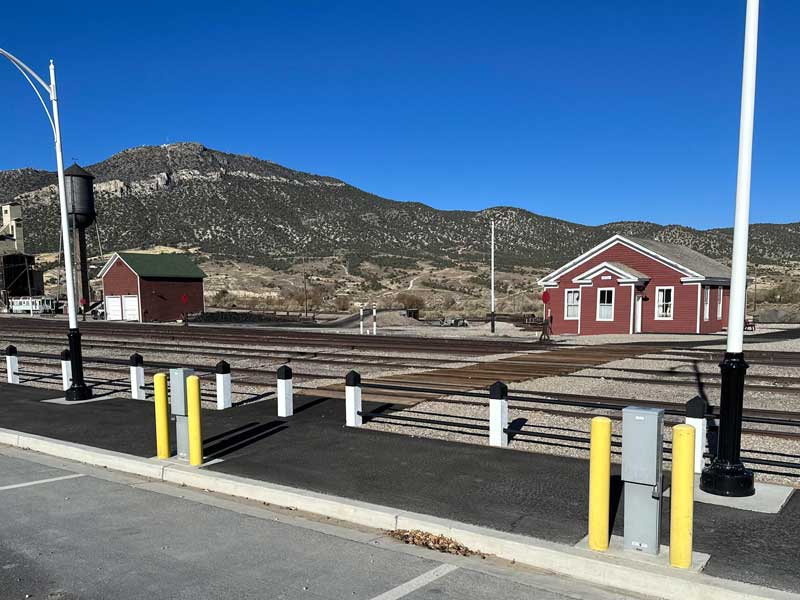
(151, 287)
(632, 285)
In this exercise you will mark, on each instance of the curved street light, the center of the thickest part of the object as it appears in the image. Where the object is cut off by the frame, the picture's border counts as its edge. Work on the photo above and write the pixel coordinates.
(78, 390)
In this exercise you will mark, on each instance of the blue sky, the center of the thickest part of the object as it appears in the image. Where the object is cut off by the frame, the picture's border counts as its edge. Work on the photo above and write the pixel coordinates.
(583, 110)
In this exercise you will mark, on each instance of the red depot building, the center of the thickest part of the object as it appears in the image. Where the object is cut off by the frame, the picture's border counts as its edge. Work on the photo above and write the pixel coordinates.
(631, 285)
(151, 287)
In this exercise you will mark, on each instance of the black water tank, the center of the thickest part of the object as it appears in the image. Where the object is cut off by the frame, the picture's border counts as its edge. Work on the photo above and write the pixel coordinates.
(80, 197)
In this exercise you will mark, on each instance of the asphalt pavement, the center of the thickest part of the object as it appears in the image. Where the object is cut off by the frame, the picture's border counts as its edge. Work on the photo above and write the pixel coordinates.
(69, 531)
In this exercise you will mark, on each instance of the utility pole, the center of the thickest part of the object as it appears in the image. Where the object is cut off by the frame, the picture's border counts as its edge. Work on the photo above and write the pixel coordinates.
(755, 290)
(492, 277)
(727, 475)
(305, 286)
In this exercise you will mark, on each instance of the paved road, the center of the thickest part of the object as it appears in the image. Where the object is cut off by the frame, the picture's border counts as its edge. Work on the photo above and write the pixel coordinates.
(69, 531)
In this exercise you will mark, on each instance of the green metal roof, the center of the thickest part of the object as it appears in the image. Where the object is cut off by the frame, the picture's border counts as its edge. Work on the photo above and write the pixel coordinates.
(169, 265)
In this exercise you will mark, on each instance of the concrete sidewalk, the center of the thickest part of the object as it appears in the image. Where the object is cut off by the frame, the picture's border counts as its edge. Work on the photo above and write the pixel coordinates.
(544, 497)
(159, 540)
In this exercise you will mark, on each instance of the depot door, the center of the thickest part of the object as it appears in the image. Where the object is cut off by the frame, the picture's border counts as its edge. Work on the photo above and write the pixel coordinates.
(130, 308)
(113, 308)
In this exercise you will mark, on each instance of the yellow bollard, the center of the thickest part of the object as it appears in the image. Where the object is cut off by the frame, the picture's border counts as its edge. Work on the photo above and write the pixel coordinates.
(599, 483)
(162, 416)
(682, 497)
(193, 414)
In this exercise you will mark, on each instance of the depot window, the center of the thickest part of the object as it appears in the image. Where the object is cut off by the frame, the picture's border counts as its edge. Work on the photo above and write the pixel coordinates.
(572, 304)
(664, 303)
(605, 304)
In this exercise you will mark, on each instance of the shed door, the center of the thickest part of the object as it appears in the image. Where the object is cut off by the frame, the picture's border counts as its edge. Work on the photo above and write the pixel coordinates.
(113, 308)
(130, 308)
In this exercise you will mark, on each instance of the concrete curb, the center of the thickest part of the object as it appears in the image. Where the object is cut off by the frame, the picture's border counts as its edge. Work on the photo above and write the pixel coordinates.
(609, 571)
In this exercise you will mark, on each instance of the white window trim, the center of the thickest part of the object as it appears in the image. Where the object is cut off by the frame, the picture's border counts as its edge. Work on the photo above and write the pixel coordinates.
(672, 315)
(706, 303)
(566, 292)
(613, 301)
(719, 302)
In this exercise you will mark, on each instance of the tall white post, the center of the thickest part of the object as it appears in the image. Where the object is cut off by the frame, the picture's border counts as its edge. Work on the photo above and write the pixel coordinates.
(62, 199)
(361, 320)
(727, 475)
(492, 276)
(736, 312)
(374, 319)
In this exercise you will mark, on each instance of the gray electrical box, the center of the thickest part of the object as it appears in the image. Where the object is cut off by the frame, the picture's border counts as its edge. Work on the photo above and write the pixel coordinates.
(177, 396)
(642, 439)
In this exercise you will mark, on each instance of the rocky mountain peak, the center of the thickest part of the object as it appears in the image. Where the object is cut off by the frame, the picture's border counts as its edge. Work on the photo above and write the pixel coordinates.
(243, 207)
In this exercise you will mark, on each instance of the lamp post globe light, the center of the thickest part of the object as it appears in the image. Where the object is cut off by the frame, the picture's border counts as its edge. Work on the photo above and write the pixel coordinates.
(727, 475)
(78, 390)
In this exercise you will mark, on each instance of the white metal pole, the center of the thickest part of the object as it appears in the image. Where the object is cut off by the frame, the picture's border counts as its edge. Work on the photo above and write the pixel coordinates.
(727, 475)
(62, 196)
(492, 276)
(736, 313)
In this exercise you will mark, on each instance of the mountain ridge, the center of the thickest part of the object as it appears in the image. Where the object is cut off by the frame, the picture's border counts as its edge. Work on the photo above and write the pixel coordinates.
(243, 207)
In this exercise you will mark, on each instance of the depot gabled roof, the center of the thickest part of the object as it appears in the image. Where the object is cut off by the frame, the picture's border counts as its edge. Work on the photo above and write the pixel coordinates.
(625, 273)
(165, 265)
(690, 263)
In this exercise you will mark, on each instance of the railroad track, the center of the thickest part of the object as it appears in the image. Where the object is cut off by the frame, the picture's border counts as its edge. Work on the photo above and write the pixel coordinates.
(255, 336)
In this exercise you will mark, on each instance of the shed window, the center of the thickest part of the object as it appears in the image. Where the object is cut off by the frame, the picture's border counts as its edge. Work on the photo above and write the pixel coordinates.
(664, 302)
(572, 304)
(706, 303)
(719, 304)
(605, 304)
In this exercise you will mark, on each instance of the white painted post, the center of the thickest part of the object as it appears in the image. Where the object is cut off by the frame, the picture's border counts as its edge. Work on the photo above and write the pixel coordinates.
(12, 365)
(137, 377)
(223, 380)
(285, 392)
(361, 322)
(66, 370)
(498, 414)
(696, 410)
(736, 308)
(374, 319)
(352, 395)
(492, 280)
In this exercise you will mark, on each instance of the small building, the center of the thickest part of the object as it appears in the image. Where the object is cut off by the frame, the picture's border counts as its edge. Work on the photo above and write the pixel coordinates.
(18, 273)
(632, 285)
(151, 287)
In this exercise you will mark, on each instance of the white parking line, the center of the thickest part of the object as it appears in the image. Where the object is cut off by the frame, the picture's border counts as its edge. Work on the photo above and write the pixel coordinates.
(416, 583)
(40, 481)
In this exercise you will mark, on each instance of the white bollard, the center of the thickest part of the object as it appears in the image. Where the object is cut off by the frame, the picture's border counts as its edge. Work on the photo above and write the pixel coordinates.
(12, 365)
(285, 393)
(223, 379)
(696, 410)
(374, 319)
(361, 322)
(137, 377)
(66, 370)
(352, 399)
(498, 414)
